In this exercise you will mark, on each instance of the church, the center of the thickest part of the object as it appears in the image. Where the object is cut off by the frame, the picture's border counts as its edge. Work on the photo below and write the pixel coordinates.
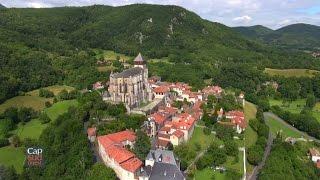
(131, 85)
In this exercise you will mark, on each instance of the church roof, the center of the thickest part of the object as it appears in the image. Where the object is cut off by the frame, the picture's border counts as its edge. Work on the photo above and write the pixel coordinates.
(139, 58)
(128, 72)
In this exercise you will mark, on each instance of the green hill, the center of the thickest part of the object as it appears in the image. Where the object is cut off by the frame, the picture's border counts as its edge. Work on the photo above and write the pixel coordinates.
(2, 6)
(253, 32)
(42, 47)
(295, 36)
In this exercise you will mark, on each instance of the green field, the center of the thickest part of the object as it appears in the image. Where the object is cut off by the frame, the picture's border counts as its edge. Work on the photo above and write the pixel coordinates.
(35, 102)
(276, 126)
(59, 108)
(32, 129)
(291, 72)
(110, 55)
(209, 174)
(250, 135)
(32, 99)
(199, 137)
(10, 156)
(316, 111)
(55, 89)
(294, 106)
(106, 68)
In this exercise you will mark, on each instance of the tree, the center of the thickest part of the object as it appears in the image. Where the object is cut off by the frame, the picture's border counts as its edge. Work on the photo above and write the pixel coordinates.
(142, 145)
(311, 101)
(6, 125)
(48, 104)
(254, 154)
(4, 142)
(231, 148)
(8, 173)
(44, 118)
(25, 114)
(12, 113)
(100, 171)
(45, 93)
(15, 141)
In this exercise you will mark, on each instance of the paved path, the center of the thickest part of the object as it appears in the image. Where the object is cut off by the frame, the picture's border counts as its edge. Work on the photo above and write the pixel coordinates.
(275, 117)
(267, 150)
(196, 159)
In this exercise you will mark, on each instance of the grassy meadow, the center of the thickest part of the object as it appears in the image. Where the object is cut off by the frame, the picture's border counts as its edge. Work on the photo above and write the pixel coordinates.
(55, 89)
(296, 106)
(291, 72)
(11, 156)
(250, 135)
(276, 126)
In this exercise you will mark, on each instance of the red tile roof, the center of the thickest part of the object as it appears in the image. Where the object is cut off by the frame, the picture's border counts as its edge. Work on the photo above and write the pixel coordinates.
(113, 147)
(163, 143)
(170, 110)
(178, 133)
(119, 154)
(161, 89)
(164, 136)
(235, 113)
(216, 90)
(122, 136)
(132, 164)
(165, 129)
(159, 118)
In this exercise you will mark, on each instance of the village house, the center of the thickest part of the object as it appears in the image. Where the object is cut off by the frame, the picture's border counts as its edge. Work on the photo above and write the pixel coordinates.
(91, 132)
(212, 90)
(161, 91)
(237, 119)
(113, 151)
(179, 130)
(98, 85)
(314, 155)
(161, 164)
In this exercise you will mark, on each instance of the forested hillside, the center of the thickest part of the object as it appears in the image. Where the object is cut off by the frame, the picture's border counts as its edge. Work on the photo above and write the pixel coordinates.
(296, 36)
(253, 32)
(41, 47)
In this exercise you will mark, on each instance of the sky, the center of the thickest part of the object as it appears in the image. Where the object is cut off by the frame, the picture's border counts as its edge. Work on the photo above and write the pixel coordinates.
(271, 13)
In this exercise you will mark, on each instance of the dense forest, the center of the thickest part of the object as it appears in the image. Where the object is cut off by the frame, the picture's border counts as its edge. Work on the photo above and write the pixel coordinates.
(41, 47)
(288, 161)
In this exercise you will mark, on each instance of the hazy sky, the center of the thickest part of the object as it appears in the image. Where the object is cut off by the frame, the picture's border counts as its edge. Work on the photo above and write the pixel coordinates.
(270, 13)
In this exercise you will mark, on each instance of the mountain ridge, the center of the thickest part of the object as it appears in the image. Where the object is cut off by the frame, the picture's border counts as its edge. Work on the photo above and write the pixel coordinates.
(299, 36)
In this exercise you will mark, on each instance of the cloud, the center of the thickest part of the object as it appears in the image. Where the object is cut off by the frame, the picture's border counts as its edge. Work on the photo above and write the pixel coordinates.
(284, 22)
(271, 13)
(243, 19)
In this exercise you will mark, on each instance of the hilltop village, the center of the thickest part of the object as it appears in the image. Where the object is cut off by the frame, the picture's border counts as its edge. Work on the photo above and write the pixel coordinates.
(173, 111)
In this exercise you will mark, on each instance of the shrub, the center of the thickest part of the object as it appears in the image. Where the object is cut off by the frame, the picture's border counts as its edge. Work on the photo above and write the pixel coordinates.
(45, 93)
(4, 142)
(206, 131)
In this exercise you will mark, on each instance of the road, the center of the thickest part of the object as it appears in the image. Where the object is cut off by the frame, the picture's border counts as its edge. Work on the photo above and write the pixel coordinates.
(267, 150)
(275, 117)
